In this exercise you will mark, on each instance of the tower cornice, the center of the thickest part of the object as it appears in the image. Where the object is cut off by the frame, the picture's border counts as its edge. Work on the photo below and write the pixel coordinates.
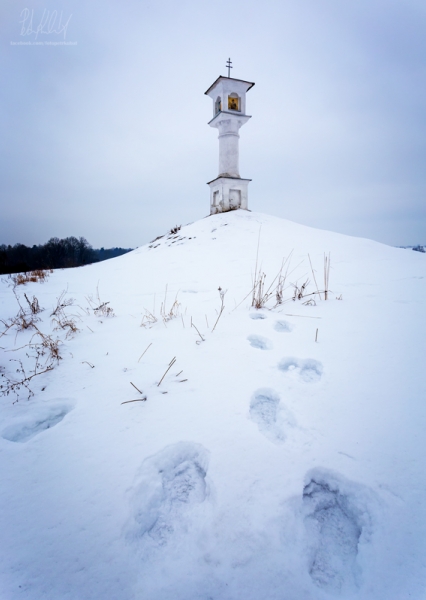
(224, 114)
(249, 83)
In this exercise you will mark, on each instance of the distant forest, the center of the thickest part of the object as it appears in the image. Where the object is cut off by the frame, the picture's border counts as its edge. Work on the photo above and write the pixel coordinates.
(55, 254)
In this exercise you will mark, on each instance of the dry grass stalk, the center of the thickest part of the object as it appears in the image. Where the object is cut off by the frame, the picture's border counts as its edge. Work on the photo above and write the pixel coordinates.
(222, 307)
(136, 388)
(173, 312)
(100, 308)
(313, 275)
(137, 400)
(33, 304)
(172, 362)
(326, 274)
(145, 351)
(260, 297)
(148, 319)
(201, 337)
(299, 292)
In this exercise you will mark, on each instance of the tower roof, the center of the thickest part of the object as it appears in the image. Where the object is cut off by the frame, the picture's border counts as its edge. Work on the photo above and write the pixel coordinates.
(250, 83)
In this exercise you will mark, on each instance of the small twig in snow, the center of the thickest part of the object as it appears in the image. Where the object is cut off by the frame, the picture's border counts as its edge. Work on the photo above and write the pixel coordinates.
(192, 325)
(136, 388)
(222, 308)
(137, 400)
(144, 351)
(172, 362)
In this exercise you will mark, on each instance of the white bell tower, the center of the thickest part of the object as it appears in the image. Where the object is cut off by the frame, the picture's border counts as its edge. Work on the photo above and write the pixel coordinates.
(228, 191)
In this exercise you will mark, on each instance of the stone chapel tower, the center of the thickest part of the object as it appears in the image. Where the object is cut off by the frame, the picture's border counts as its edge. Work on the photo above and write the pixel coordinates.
(228, 191)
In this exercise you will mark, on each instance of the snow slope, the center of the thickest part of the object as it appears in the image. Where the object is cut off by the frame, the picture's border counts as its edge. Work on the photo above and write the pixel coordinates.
(265, 465)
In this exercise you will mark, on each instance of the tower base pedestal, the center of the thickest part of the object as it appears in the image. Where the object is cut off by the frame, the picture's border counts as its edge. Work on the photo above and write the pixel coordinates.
(228, 193)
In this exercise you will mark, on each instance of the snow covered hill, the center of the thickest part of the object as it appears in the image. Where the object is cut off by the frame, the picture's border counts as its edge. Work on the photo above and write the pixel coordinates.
(282, 456)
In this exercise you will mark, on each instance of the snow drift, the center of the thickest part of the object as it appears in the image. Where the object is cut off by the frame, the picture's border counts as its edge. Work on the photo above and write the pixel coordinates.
(179, 452)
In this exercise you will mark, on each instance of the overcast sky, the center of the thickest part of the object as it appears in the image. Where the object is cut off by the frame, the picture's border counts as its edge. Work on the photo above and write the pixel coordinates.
(107, 137)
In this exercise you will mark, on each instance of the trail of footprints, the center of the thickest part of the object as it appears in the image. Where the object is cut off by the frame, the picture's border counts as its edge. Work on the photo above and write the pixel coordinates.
(331, 518)
(172, 483)
(173, 486)
(266, 410)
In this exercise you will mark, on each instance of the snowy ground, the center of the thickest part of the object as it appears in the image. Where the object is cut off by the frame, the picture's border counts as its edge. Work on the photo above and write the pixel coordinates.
(265, 465)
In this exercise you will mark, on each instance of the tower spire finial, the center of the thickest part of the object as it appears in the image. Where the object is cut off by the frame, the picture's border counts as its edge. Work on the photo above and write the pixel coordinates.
(229, 65)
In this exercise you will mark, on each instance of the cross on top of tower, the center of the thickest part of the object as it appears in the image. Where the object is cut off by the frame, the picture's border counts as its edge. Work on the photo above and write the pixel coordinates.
(229, 65)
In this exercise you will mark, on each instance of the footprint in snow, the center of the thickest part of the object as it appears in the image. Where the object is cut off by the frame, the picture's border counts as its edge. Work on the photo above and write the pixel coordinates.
(335, 520)
(42, 418)
(283, 327)
(257, 316)
(308, 370)
(272, 418)
(171, 484)
(257, 341)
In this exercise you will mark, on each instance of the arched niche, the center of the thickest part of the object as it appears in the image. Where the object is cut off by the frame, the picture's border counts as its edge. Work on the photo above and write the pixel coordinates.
(234, 102)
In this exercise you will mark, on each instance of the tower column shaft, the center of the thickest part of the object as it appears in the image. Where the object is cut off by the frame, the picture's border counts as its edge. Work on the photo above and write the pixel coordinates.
(229, 153)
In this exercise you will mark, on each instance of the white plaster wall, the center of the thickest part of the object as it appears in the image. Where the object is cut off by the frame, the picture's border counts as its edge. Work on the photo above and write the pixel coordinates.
(226, 188)
(228, 147)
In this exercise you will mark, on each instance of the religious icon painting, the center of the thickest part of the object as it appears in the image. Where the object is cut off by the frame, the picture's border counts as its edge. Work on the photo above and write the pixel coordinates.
(233, 103)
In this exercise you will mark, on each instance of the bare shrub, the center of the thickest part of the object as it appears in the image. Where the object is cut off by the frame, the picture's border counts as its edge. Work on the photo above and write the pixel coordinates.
(42, 352)
(61, 320)
(25, 318)
(167, 314)
(100, 308)
(148, 319)
(260, 297)
(326, 270)
(299, 292)
(33, 304)
(39, 275)
(104, 310)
